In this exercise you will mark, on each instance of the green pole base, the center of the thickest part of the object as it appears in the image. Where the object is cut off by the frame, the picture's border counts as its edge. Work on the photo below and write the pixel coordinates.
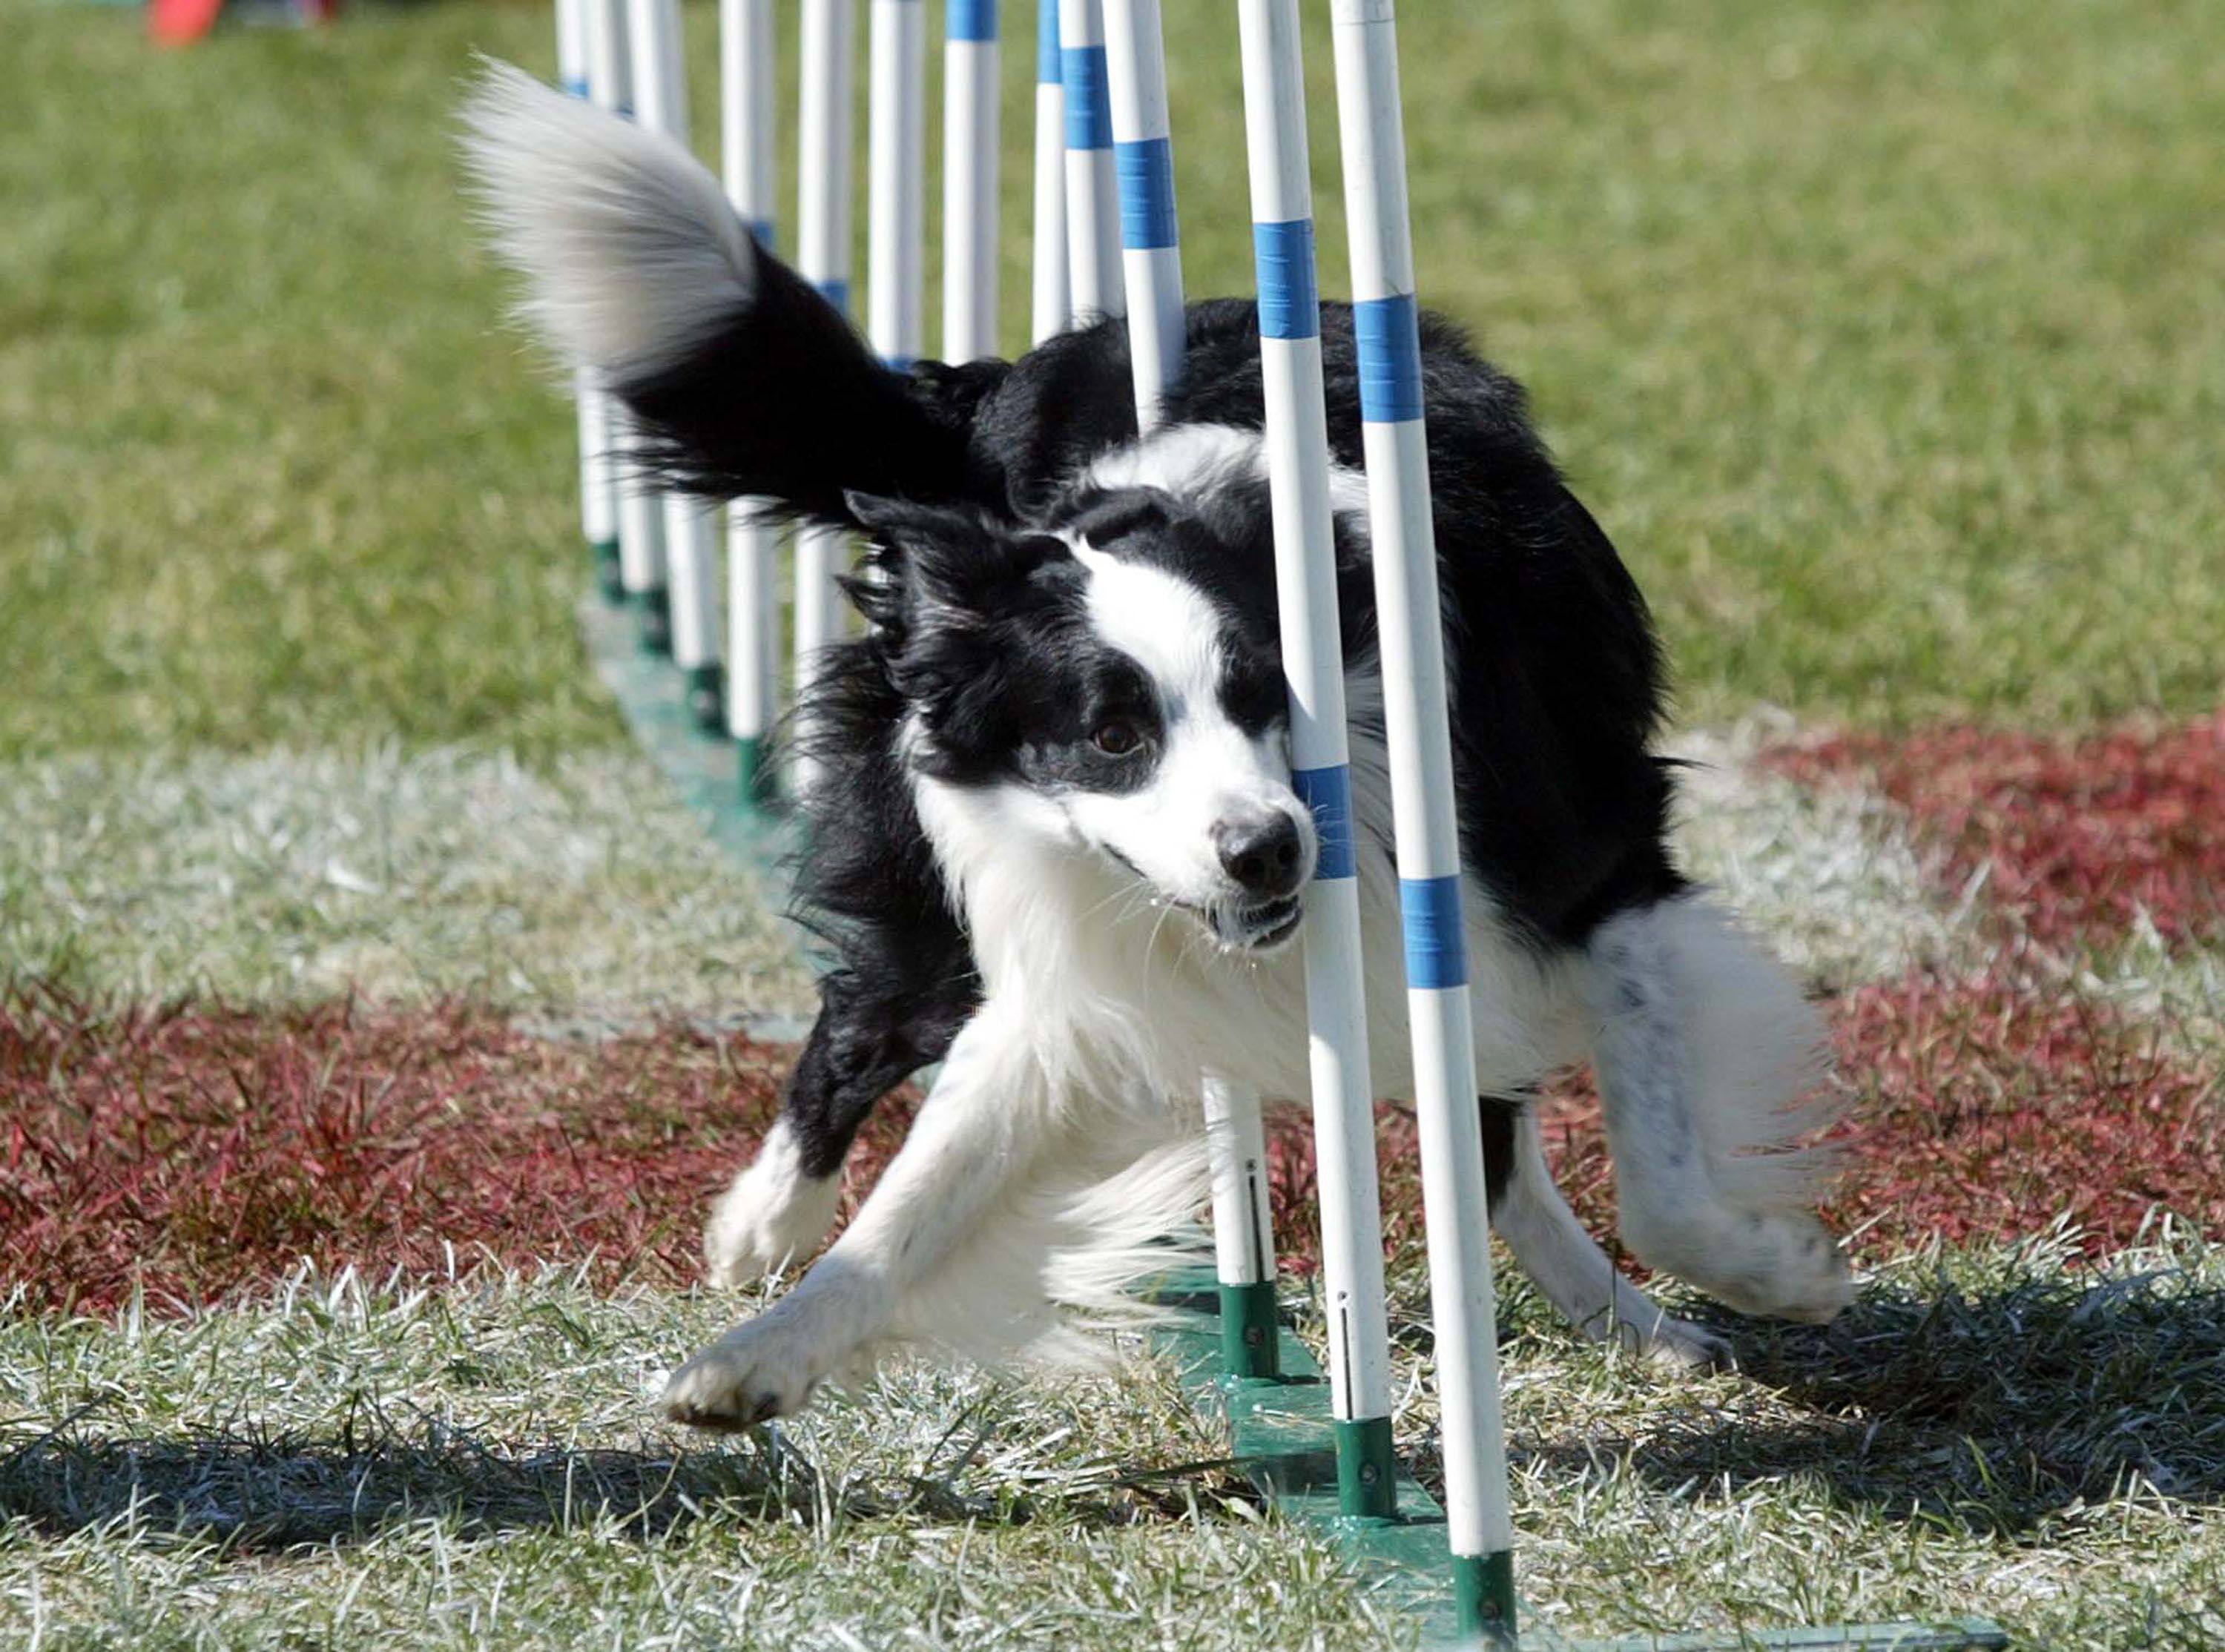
(1366, 1469)
(1250, 1333)
(1483, 1597)
(753, 773)
(707, 697)
(655, 606)
(608, 578)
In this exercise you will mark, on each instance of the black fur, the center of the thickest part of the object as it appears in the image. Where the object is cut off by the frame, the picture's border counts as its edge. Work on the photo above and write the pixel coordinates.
(959, 471)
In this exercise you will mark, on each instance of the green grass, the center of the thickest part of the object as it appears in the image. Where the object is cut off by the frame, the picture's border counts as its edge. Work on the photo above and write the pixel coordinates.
(1882, 336)
(475, 1466)
(581, 887)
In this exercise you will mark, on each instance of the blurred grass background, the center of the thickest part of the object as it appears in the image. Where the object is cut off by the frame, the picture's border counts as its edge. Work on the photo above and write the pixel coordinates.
(1888, 339)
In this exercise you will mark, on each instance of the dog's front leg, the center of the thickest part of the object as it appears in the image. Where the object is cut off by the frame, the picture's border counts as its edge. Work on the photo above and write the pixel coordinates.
(975, 1133)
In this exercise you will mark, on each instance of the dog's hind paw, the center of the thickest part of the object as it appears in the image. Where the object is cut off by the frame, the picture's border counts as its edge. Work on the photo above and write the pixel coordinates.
(772, 1215)
(1775, 1266)
(1679, 1345)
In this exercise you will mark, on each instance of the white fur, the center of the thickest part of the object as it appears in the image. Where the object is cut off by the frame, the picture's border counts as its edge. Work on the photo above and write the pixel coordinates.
(1182, 459)
(1209, 771)
(1704, 1050)
(1567, 1265)
(632, 253)
(1004, 1203)
(772, 1214)
(1192, 458)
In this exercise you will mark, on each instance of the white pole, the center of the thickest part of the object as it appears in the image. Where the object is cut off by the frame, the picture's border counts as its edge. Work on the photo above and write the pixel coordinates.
(745, 109)
(895, 160)
(969, 180)
(1243, 1233)
(1054, 295)
(1313, 667)
(1385, 320)
(1093, 205)
(599, 504)
(822, 255)
(660, 85)
(1151, 255)
(640, 515)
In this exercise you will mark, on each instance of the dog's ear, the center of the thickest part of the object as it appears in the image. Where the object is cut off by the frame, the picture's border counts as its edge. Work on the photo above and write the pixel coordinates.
(940, 568)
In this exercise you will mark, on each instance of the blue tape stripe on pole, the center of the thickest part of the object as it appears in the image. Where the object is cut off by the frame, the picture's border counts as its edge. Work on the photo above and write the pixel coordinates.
(1388, 333)
(1047, 70)
(1088, 98)
(971, 20)
(836, 293)
(1430, 908)
(577, 87)
(1328, 792)
(1289, 305)
(761, 233)
(1146, 171)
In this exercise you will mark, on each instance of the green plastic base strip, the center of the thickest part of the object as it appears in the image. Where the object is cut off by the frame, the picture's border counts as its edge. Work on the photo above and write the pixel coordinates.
(655, 607)
(1366, 1468)
(609, 577)
(708, 773)
(1483, 1597)
(1279, 1426)
(707, 697)
(1250, 1335)
(753, 776)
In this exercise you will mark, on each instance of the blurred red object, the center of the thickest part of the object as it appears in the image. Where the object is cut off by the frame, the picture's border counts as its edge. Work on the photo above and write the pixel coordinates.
(180, 23)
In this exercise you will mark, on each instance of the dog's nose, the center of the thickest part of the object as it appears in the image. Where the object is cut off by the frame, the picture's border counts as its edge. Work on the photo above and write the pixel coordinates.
(1261, 853)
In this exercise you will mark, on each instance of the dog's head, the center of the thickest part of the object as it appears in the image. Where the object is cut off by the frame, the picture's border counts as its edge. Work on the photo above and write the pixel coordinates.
(1110, 686)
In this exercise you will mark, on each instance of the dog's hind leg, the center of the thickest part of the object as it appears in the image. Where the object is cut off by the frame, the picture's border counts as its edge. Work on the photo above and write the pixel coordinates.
(863, 1046)
(1707, 1059)
(1565, 1261)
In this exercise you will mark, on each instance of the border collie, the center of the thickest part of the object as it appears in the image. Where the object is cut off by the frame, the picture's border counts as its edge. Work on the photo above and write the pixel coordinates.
(1052, 841)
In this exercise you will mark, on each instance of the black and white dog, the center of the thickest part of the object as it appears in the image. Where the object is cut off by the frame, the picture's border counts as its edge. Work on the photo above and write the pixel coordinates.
(1053, 842)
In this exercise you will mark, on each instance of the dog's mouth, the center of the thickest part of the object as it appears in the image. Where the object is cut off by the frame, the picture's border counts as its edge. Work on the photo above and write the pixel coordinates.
(1260, 929)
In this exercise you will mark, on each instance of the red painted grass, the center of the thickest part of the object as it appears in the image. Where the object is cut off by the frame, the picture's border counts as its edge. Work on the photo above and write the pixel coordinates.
(195, 1151)
(1974, 1111)
(1992, 1110)
(2076, 836)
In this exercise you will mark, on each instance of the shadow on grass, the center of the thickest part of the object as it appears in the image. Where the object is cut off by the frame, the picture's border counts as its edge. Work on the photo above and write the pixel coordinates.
(263, 1495)
(1994, 1412)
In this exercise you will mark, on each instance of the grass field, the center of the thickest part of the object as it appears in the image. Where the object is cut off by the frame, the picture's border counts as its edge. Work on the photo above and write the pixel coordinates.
(374, 1023)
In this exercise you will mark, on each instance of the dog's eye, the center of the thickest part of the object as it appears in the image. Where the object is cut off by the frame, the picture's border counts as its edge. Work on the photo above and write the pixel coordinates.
(1116, 738)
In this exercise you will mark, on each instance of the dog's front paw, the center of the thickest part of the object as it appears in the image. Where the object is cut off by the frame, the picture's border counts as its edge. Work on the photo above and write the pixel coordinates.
(746, 1378)
(772, 1215)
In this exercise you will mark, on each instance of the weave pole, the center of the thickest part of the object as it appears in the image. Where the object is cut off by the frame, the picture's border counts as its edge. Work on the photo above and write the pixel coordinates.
(660, 96)
(1053, 297)
(895, 191)
(822, 256)
(1142, 160)
(970, 139)
(1093, 203)
(746, 113)
(1386, 322)
(1313, 667)
(640, 515)
(599, 504)
(1134, 85)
